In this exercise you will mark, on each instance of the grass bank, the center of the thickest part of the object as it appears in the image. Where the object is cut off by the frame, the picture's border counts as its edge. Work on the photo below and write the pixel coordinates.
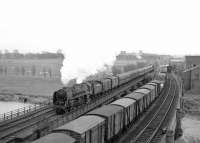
(35, 89)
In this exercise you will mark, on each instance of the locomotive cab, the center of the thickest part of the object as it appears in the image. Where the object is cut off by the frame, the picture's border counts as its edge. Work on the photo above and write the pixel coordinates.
(61, 99)
(69, 98)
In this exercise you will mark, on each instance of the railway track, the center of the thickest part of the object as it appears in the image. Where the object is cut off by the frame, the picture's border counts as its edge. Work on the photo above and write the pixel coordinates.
(171, 111)
(148, 128)
(8, 130)
(29, 123)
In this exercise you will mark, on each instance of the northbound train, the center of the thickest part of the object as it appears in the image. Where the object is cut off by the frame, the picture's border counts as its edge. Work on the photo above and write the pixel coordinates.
(105, 123)
(69, 98)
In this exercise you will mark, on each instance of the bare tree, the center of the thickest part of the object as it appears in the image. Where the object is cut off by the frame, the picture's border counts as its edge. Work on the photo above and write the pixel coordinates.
(33, 70)
(59, 51)
(50, 72)
(44, 72)
(5, 70)
(16, 70)
(1, 69)
(1, 55)
(23, 70)
(6, 53)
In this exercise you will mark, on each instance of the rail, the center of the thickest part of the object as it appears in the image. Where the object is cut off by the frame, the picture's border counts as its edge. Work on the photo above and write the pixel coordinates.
(148, 134)
(20, 112)
(135, 130)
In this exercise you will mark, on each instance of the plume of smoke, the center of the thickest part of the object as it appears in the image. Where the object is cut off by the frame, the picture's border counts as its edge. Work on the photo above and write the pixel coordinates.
(138, 56)
(78, 65)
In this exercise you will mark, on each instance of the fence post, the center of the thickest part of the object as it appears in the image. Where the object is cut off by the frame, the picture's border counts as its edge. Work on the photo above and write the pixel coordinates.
(11, 114)
(57, 122)
(18, 112)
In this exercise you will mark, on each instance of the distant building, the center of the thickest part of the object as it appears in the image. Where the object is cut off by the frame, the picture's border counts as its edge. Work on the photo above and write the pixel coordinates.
(178, 63)
(127, 61)
(192, 61)
(40, 65)
(130, 61)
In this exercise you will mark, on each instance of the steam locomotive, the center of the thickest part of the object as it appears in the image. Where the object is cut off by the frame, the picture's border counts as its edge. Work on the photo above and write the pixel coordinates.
(69, 98)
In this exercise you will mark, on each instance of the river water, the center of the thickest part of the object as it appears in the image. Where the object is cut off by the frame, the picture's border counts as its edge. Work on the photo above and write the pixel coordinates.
(9, 106)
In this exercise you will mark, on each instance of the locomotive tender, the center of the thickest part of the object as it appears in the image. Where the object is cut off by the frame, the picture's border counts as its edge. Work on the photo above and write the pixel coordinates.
(69, 98)
(103, 124)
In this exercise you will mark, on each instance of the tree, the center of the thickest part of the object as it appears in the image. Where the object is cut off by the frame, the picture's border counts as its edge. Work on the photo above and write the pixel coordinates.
(6, 51)
(23, 70)
(7, 54)
(5, 70)
(50, 72)
(16, 70)
(1, 69)
(15, 51)
(59, 51)
(44, 71)
(60, 54)
(33, 70)
(1, 55)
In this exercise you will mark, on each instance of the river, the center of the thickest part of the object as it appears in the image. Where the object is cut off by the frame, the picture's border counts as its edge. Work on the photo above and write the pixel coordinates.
(9, 106)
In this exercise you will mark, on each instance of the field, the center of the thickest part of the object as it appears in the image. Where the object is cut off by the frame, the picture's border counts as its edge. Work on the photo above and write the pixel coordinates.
(39, 83)
(191, 104)
(29, 85)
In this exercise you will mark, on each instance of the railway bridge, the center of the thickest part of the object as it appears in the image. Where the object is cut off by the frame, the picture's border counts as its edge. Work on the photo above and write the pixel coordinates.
(160, 123)
(190, 76)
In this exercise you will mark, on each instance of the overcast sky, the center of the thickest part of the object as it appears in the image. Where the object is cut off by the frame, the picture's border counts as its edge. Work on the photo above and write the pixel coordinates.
(91, 26)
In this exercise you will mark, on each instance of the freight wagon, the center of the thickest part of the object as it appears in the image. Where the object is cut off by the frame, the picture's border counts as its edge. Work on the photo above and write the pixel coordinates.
(103, 124)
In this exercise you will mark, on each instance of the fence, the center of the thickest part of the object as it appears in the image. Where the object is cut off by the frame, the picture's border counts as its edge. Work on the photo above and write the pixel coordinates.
(19, 112)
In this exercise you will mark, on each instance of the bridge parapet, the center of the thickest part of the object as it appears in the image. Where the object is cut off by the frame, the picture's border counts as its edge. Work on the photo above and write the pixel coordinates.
(171, 130)
(189, 76)
(20, 112)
